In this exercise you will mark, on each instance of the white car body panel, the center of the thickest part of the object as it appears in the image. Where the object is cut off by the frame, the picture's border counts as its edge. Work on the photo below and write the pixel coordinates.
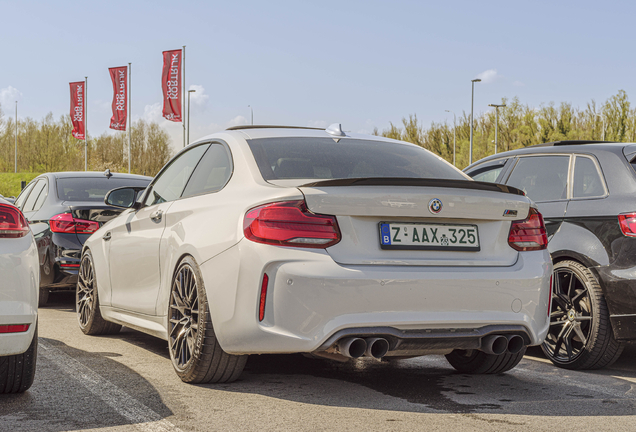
(314, 293)
(19, 284)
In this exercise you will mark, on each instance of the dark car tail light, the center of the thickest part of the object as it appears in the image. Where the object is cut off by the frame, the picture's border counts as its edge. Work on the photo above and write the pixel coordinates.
(12, 222)
(528, 234)
(627, 222)
(290, 223)
(66, 223)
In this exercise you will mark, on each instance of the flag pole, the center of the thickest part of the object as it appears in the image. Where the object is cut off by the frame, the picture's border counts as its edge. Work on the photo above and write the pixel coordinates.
(85, 124)
(16, 136)
(183, 99)
(129, 113)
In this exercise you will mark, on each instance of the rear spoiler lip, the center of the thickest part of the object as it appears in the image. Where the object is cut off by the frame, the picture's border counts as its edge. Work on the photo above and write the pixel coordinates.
(406, 181)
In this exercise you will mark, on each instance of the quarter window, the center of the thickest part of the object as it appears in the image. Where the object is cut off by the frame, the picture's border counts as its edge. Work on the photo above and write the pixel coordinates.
(24, 194)
(171, 182)
(587, 181)
(542, 178)
(211, 174)
(34, 195)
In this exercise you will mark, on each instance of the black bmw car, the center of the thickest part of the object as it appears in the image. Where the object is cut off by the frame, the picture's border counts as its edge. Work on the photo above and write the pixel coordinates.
(586, 192)
(63, 210)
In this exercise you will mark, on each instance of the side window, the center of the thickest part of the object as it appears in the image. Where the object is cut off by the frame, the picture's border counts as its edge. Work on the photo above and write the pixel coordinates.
(171, 182)
(34, 195)
(24, 194)
(542, 178)
(587, 181)
(212, 173)
(42, 197)
(488, 172)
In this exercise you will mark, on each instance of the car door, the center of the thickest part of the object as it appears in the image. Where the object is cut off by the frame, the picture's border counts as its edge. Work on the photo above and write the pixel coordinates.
(134, 249)
(544, 179)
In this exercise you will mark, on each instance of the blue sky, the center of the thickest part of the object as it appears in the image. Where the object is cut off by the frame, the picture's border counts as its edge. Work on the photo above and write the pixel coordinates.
(360, 63)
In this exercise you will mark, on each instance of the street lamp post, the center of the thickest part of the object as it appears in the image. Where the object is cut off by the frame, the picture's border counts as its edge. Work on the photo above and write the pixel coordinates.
(472, 99)
(189, 91)
(602, 131)
(252, 113)
(496, 121)
(454, 134)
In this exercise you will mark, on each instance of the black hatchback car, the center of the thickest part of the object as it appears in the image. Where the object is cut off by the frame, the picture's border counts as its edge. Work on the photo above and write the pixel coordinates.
(63, 210)
(586, 192)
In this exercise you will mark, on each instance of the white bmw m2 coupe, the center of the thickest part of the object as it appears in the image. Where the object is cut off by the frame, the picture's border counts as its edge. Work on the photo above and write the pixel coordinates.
(268, 239)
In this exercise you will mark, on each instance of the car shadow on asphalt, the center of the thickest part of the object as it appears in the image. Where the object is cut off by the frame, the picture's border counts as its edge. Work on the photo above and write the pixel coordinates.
(76, 389)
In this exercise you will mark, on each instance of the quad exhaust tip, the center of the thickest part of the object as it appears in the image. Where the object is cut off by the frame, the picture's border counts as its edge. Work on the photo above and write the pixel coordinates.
(352, 347)
(498, 344)
(377, 348)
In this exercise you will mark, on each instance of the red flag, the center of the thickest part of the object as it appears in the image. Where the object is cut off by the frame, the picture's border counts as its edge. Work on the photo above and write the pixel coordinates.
(120, 99)
(77, 109)
(171, 85)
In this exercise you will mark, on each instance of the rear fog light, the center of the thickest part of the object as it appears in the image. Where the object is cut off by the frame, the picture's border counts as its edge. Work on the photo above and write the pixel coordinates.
(14, 328)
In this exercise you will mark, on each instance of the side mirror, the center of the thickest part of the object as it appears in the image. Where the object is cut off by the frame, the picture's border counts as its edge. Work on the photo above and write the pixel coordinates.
(124, 197)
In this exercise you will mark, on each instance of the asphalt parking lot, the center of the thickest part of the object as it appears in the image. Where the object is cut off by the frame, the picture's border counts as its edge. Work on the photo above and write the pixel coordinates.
(126, 382)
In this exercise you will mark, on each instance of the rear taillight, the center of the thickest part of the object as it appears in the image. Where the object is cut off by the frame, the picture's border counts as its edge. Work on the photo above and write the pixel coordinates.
(12, 222)
(15, 328)
(627, 222)
(290, 223)
(528, 234)
(66, 223)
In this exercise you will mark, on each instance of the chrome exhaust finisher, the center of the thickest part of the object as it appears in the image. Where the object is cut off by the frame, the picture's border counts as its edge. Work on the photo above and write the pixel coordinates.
(352, 347)
(494, 344)
(515, 343)
(376, 348)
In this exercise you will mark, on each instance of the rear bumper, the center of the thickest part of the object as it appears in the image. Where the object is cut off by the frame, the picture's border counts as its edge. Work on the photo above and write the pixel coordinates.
(310, 298)
(19, 267)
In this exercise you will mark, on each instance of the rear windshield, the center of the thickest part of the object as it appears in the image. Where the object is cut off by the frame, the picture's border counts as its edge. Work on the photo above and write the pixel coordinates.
(323, 158)
(92, 188)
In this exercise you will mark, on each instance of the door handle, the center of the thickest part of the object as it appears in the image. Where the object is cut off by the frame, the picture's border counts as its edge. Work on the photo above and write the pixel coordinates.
(106, 236)
(156, 216)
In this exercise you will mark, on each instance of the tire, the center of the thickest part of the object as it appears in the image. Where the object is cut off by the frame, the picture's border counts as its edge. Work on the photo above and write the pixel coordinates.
(478, 362)
(580, 335)
(89, 317)
(17, 371)
(43, 298)
(195, 352)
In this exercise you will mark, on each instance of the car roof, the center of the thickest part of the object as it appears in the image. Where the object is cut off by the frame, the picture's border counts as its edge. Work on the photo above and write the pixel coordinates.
(95, 174)
(274, 131)
(572, 146)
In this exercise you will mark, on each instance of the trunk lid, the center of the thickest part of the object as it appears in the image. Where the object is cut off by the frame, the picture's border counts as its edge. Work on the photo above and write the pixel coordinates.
(360, 206)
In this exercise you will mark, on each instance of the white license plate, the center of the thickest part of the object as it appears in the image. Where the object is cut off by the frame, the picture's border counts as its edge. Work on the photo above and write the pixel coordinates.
(422, 236)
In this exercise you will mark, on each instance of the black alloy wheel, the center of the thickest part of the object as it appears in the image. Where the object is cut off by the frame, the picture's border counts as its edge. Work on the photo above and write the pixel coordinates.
(194, 349)
(580, 334)
(89, 316)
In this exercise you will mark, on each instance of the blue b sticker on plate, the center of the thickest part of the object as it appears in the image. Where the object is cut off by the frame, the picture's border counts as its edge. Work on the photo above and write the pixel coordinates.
(385, 234)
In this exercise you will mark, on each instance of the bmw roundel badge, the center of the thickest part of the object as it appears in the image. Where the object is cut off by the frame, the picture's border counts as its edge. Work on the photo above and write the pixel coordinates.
(435, 205)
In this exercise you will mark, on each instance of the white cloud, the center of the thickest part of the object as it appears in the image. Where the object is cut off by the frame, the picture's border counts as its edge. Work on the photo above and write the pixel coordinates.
(237, 121)
(8, 96)
(317, 124)
(489, 76)
(198, 97)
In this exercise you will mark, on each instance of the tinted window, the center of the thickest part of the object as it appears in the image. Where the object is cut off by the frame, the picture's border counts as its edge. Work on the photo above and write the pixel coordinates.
(171, 182)
(34, 195)
(92, 188)
(323, 158)
(488, 172)
(542, 178)
(24, 194)
(211, 174)
(587, 181)
(42, 197)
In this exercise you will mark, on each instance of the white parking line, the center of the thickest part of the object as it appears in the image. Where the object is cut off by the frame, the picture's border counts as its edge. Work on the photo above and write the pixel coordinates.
(142, 417)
